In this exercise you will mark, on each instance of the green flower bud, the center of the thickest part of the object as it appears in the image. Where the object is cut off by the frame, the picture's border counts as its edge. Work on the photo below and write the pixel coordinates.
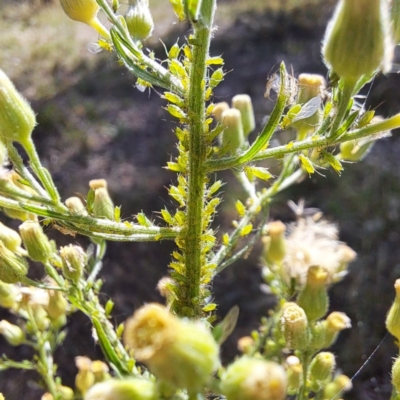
(245, 344)
(218, 109)
(8, 295)
(322, 366)
(313, 298)
(161, 340)
(335, 323)
(242, 102)
(254, 379)
(13, 268)
(84, 378)
(75, 206)
(393, 317)
(139, 20)
(232, 136)
(128, 389)
(57, 307)
(294, 371)
(318, 338)
(341, 383)
(12, 333)
(80, 10)
(356, 41)
(103, 206)
(66, 392)
(10, 238)
(73, 262)
(17, 118)
(100, 371)
(16, 214)
(294, 326)
(275, 245)
(85, 11)
(35, 241)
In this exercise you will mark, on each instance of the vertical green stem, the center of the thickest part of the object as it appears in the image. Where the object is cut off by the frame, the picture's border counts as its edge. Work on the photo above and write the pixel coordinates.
(197, 159)
(303, 392)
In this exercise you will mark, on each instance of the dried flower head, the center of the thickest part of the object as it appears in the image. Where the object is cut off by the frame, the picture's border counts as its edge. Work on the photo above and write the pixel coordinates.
(312, 241)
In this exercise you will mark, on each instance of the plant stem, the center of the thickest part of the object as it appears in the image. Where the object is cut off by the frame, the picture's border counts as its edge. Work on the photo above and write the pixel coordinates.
(197, 170)
(309, 143)
(42, 174)
(305, 360)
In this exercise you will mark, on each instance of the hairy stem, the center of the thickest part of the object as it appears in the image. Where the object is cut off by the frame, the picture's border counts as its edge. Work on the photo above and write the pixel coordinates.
(197, 170)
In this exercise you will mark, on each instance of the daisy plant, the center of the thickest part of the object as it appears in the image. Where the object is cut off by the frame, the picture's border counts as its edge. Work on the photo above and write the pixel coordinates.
(177, 344)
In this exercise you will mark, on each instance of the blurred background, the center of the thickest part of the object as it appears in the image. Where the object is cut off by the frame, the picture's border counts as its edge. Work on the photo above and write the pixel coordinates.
(93, 123)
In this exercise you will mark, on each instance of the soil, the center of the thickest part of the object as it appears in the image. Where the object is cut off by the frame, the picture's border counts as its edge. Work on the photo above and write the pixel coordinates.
(102, 127)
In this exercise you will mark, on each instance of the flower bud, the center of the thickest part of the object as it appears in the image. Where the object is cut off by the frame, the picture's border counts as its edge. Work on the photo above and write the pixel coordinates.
(80, 10)
(8, 295)
(13, 268)
(232, 136)
(218, 109)
(393, 317)
(318, 337)
(75, 206)
(254, 379)
(128, 389)
(57, 307)
(10, 238)
(12, 333)
(341, 383)
(17, 118)
(84, 378)
(139, 20)
(242, 102)
(294, 371)
(98, 183)
(16, 214)
(35, 241)
(275, 247)
(322, 366)
(161, 340)
(294, 326)
(66, 392)
(313, 298)
(310, 86)
(100, 371)
(73, 262)
(245, 344)
(396, 374)
(103, 206)
(356, 41)
(335, 323)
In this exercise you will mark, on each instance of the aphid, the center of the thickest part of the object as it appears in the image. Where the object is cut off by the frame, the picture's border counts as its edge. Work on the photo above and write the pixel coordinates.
(306, 164)
(273, 83)
(301, 211)
(308, 109)
(222, 331)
